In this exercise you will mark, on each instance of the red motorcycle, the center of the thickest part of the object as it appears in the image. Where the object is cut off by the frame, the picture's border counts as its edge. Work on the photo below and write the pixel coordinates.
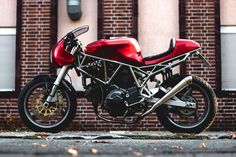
(115, 77)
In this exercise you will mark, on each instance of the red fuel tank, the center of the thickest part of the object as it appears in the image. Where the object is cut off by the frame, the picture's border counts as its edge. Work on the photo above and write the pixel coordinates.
(126, 50)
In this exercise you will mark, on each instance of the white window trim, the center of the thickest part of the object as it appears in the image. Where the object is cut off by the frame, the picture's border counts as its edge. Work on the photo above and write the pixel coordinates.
(228, 29)
(7, 31)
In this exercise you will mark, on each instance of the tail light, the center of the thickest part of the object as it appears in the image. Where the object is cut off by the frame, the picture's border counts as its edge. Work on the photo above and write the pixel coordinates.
(59, 56)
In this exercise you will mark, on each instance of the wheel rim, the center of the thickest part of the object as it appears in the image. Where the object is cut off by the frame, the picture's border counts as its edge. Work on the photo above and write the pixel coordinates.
(194, 117)
(50, 116)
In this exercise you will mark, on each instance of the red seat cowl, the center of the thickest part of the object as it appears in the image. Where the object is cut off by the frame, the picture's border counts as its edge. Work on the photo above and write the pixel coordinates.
(181, 46)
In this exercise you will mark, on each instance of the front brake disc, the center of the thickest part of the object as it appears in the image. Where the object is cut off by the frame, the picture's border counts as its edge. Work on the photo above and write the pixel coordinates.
(46, 112)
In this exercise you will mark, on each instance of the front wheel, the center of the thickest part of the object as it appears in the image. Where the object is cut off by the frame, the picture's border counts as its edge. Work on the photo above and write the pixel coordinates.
(47, 118)
(182, 120)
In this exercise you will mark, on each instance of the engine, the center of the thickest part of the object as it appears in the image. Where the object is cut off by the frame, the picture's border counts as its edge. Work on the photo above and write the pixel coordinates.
(117, 101)
(116, 98)
(124, 79)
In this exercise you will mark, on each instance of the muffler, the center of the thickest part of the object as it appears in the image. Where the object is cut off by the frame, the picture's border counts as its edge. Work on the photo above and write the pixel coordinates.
(180, 86)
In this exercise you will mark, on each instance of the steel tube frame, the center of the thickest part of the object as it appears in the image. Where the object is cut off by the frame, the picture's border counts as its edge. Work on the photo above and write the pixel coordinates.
(155, 70)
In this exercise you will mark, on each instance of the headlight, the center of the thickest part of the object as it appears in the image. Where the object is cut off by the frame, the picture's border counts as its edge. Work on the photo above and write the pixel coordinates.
(59, 56)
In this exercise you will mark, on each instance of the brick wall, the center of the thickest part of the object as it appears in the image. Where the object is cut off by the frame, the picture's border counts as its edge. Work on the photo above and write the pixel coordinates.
(201, 27)
(118, 20)
(35, 35)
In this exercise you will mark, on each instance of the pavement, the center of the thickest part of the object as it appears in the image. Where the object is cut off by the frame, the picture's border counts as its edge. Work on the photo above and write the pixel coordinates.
(91, 135)
(117, 144)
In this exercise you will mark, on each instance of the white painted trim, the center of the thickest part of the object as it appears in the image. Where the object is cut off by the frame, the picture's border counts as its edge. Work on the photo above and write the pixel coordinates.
(228, 29)
(7, 90)
(7, 31)
(228, 89)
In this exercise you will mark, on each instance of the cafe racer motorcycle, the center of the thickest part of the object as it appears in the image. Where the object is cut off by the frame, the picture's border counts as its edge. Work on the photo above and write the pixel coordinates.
(116, 79)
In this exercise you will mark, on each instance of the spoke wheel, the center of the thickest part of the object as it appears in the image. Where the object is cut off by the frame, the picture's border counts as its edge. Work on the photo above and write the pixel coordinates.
(46, 115)
(52, 117)
(186, 118)
(190, 120)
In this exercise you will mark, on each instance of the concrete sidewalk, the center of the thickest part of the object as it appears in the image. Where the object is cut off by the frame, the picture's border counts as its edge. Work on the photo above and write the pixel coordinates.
(117, 144)
(67, 135)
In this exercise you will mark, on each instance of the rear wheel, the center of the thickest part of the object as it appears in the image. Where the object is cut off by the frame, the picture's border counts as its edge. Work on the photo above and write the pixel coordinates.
(185, 120)
(53, 117)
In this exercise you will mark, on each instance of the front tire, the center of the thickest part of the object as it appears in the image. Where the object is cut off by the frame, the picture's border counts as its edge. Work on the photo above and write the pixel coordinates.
(179, 120)
(53, 118)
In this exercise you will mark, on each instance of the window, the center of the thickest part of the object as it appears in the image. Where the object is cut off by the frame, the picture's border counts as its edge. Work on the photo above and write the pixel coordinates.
(228, 46)
(228, 56)
(8, 46)
(7, 59)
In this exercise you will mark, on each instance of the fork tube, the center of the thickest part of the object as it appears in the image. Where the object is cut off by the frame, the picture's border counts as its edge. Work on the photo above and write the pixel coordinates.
(60, 76)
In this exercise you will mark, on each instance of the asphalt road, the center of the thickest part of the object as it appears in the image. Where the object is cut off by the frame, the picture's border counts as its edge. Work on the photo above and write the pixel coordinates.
(10, 147)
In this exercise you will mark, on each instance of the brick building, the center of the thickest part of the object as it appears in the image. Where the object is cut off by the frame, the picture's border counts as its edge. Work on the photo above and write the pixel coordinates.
(30, 28)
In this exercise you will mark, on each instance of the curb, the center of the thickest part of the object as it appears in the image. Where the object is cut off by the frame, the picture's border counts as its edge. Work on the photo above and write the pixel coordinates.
(178, 136)
(146, 135)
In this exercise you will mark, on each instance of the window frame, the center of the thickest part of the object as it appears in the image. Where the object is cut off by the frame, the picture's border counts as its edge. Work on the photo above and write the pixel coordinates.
(9, 32)
(226, 30)
(219, 92)
(15, 93)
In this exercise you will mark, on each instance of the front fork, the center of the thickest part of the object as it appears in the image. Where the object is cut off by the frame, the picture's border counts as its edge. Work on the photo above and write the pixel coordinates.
(60, 76)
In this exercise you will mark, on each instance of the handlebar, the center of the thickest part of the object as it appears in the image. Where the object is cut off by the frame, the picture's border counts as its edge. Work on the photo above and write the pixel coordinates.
(70, 38)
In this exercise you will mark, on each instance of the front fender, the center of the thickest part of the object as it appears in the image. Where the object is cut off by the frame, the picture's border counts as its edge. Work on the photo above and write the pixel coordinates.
(52, 77)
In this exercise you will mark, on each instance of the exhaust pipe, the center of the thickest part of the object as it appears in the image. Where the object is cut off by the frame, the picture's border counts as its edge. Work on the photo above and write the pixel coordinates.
(180, 86)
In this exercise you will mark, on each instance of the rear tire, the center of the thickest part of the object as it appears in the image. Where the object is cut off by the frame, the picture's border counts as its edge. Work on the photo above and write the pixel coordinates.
(208, 107)
(35, 115)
